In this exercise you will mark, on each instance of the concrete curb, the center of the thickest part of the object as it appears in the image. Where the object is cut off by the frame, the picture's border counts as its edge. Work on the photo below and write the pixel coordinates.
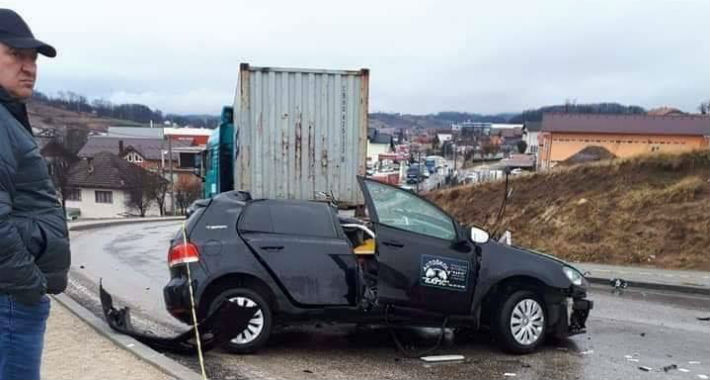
(109, 223)
(140, 350)
(656, 286)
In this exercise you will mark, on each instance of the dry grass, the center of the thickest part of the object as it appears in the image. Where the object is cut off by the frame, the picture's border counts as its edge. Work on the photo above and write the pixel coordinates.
(647, 210)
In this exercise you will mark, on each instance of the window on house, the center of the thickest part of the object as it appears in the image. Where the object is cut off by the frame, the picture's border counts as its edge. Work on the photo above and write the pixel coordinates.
(73, 195)
(103, 196)
(134, 157)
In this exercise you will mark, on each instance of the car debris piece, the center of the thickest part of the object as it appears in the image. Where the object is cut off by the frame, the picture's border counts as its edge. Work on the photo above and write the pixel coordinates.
(442, 358)
(220, 326)
(704, 377)
(632, 360)
(645, 369)
(693, 362)
(588, 352)
(685, 370)
(704, 318)
(669, 367)
(619, 284)
(509, 374)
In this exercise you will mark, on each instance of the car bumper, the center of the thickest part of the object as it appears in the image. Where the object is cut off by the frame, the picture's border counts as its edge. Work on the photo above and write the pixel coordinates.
(571, 314)
(177, 298)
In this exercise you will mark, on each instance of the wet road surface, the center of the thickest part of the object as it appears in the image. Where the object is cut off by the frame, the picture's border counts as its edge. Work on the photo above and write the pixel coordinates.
(625, 331)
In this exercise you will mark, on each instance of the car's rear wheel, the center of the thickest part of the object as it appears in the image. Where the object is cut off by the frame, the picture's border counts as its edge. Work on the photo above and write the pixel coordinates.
(257, 332)
(520, 325)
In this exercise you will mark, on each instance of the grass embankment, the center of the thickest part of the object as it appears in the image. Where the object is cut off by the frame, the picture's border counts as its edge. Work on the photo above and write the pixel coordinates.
(648, 210)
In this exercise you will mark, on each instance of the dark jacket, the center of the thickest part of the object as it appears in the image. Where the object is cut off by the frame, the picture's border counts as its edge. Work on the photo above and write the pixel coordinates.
(34, 242)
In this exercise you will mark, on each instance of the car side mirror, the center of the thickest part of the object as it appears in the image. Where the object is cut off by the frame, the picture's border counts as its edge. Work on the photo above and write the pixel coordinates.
(479, 236)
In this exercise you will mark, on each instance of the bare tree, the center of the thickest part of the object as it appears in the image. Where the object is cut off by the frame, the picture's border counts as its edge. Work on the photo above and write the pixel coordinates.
(59, 160)
(187, 191)
(141, 190)
(158, 192)
(490, 148)
(522, 146)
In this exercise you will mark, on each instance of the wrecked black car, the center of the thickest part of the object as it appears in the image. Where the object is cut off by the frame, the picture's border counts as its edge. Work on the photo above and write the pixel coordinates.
(409, 263)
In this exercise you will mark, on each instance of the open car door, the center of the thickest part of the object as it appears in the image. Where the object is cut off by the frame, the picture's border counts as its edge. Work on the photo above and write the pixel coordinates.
(423, 262)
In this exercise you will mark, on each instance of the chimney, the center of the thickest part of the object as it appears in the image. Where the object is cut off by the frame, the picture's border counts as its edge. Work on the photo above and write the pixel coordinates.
(90, 161)
(120, 148)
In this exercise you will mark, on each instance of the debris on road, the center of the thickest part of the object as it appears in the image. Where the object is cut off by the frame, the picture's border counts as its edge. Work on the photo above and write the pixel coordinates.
(307, 371)
(509, 374)
(588, 352)
(684, 370)
(618, 283)
(669, 367)
(704, 318)
(643, 335)
(693, 362)
(704, 377)
(645, 369)
(224, 323)
(442, 358)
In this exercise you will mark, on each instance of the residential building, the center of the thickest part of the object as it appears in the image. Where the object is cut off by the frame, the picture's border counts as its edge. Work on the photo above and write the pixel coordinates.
(99, 186)
(378, 143)
(563, 135)
(531, 131)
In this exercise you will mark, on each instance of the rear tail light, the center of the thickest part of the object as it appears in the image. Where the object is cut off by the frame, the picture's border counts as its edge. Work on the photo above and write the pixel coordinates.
(183, 253)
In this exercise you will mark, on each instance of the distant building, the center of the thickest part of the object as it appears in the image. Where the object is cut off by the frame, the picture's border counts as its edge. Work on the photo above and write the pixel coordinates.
(531, 131)
(564, 135)
(378, 143)
(195, 136)
(99, 187)
(149, 153)
(472, 128)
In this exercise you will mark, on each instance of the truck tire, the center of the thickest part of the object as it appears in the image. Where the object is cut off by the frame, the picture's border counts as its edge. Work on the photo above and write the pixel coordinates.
(520, 323)
(259, 329)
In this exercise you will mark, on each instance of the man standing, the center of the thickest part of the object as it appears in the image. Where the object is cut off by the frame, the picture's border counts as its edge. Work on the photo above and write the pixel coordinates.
(34, 243)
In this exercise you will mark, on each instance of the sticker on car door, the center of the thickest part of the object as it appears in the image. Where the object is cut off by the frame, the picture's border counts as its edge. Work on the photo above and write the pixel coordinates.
(444, 272)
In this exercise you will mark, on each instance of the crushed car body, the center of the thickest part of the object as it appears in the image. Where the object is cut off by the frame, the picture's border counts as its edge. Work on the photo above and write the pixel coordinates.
(300, 261)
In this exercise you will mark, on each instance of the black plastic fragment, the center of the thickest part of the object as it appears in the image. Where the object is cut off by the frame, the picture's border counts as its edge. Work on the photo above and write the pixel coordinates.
(219, 327)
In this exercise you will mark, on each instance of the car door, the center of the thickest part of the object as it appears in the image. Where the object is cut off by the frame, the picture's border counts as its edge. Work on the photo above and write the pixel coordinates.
(423, 263)
(300, 245)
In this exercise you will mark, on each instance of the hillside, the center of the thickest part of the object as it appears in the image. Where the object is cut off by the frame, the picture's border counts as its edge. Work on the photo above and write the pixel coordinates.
(649, 210)
(44, 116)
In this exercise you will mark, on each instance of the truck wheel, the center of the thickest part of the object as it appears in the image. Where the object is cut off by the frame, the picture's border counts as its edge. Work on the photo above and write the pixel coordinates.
(520, 322)
(259, 329)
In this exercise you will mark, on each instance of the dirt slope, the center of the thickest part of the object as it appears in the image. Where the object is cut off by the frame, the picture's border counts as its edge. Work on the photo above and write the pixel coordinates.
(648, 210)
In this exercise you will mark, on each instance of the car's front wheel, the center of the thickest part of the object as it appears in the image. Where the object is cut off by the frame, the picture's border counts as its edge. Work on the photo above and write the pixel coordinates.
(520, 323)
(257, 332)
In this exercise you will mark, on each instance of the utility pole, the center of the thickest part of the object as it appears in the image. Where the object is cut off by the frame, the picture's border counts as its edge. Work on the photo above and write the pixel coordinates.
(172, 179)
(454, 176)
(419, 168)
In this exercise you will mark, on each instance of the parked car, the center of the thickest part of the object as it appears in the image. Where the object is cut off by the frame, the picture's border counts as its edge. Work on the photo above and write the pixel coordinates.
(410, 262)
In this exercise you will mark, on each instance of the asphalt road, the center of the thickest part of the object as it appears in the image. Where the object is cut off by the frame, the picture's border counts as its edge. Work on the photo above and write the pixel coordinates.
(653, 329)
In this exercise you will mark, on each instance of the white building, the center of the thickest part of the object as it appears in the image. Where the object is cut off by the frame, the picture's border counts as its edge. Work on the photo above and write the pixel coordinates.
(99, 187)
(531, 131)
(378, 143)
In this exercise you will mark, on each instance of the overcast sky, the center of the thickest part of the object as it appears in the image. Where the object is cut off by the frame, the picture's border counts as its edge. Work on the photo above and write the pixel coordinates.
(424, 56)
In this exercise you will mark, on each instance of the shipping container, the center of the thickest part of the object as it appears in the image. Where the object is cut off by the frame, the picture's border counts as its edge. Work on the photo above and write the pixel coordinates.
(301, 131)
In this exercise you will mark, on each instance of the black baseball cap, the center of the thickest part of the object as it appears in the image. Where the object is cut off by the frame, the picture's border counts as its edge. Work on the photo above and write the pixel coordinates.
(15, 33)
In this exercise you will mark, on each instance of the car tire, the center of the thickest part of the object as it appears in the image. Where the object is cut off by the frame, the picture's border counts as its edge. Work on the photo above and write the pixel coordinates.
(520, 323)
(257, 333)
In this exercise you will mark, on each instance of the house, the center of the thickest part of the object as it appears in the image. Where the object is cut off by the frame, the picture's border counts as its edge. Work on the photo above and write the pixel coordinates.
(100, 186)
(149, 153)
(563, 134)
(531, 131)
(378, 143)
